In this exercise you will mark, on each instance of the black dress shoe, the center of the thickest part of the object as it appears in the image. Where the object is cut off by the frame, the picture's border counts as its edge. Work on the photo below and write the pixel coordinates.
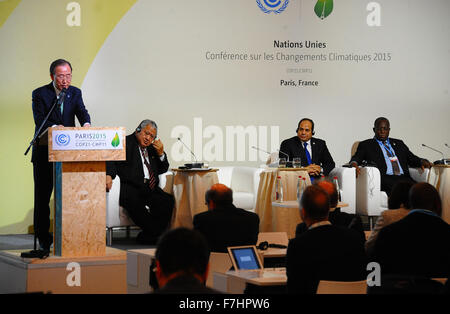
(42, 254)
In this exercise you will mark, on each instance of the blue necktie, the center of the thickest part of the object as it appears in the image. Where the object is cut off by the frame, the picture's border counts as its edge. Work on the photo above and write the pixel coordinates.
(308, 156)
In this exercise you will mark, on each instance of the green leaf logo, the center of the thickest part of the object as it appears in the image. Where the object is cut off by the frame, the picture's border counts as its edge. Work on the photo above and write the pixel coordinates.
(116, 141)
(323, 8)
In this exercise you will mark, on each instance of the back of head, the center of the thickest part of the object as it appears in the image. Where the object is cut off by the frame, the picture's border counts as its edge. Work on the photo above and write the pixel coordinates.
(425, 196)
(315, 202)
(220, 194)
(182, 250)
(331, 190)
(400, 195)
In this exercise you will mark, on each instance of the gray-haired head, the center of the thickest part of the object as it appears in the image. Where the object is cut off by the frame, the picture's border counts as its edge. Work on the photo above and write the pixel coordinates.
(146, 122)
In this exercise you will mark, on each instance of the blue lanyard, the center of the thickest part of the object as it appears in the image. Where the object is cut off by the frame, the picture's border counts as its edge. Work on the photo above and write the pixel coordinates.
(389, 148)
(424, 211)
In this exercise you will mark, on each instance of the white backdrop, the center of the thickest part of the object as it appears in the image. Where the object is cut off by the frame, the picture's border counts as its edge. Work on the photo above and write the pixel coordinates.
(154, 65)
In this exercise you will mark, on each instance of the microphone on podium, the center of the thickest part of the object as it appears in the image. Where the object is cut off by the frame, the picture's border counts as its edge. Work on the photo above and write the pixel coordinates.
(61, 97)
(284, 154)
(262, 150)
(191, 165)
(437, 162)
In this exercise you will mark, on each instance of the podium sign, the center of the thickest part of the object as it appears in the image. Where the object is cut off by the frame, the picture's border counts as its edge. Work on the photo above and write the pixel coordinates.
(79, 156)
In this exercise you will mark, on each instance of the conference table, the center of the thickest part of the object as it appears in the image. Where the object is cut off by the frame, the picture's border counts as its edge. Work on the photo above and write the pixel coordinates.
(189, 188)
(439, 177)
(266, 190)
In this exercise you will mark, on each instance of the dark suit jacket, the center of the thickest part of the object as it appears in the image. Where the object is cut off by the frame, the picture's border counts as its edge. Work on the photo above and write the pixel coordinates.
(227, 226)
(320, 154)
(131, 171)
(418, 244)
(324, 253)
(185, 284)
(43, 99)
(371, 151)
(338, 218)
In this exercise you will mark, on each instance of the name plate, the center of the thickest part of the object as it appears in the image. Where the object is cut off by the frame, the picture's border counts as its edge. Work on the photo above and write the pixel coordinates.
(87, 139)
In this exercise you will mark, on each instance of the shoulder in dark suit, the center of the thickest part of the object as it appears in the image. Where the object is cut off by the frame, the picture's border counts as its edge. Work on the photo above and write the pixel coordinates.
(320, 154)
(324, 253)
(131, 170)
(43, 99)
(418, 244)
(185, 285)
(227, 226)
(370, 151)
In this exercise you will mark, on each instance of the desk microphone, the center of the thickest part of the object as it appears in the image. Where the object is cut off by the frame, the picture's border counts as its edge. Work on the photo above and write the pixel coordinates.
(443, 158)
(191, 165)
(188, 149)
(262, 150)
(284, 154)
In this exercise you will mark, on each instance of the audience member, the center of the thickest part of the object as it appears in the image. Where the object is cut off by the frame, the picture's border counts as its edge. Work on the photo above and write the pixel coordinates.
(182, 263)
(223, 224)
(324, 251)
(399, 207)
(335, 216)
(419, 243)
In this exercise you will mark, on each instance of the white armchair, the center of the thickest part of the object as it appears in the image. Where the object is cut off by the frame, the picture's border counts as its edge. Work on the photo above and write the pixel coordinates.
(370, 200)
(116, 215)
(244, 182)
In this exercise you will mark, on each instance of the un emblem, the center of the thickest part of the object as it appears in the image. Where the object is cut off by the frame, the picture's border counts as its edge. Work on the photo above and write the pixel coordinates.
(275, 6)
(62, 139)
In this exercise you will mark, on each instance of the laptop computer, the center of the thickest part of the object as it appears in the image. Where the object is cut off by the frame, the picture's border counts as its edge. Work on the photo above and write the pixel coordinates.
(246, 258)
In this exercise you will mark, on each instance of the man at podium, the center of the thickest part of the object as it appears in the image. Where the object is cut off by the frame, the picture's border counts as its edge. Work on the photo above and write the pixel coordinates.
(71, 105)
(147, 204)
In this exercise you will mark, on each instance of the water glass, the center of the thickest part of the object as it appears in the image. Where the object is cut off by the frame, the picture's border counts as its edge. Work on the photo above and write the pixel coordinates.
(297, 162)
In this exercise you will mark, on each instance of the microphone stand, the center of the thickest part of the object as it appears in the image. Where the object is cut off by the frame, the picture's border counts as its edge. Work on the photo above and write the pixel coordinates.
(35, 253)
(442, 161)
(33, 141)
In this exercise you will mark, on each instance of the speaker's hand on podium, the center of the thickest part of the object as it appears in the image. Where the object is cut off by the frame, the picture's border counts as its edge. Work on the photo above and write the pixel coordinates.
(108, 183)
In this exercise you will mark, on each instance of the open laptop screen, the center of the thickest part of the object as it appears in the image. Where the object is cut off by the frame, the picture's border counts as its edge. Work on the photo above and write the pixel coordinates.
(245, 257)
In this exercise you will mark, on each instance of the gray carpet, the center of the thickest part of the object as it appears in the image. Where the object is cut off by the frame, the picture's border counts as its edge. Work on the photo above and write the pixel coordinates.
(26, 242)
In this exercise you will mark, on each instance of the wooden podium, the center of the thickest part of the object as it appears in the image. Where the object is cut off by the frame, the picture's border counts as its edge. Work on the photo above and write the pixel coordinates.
(79, 156)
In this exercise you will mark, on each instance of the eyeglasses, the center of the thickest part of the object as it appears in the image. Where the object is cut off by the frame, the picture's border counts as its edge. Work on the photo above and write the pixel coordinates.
(382, 129)
(64, 76)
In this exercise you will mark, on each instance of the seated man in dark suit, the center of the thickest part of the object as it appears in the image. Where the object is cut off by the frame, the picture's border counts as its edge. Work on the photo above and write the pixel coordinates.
(335, 216)
(391, 156)
(182, 263)
(419, 243)
(147, 204)
(313, 152)
(223, 224)
(324, 251)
